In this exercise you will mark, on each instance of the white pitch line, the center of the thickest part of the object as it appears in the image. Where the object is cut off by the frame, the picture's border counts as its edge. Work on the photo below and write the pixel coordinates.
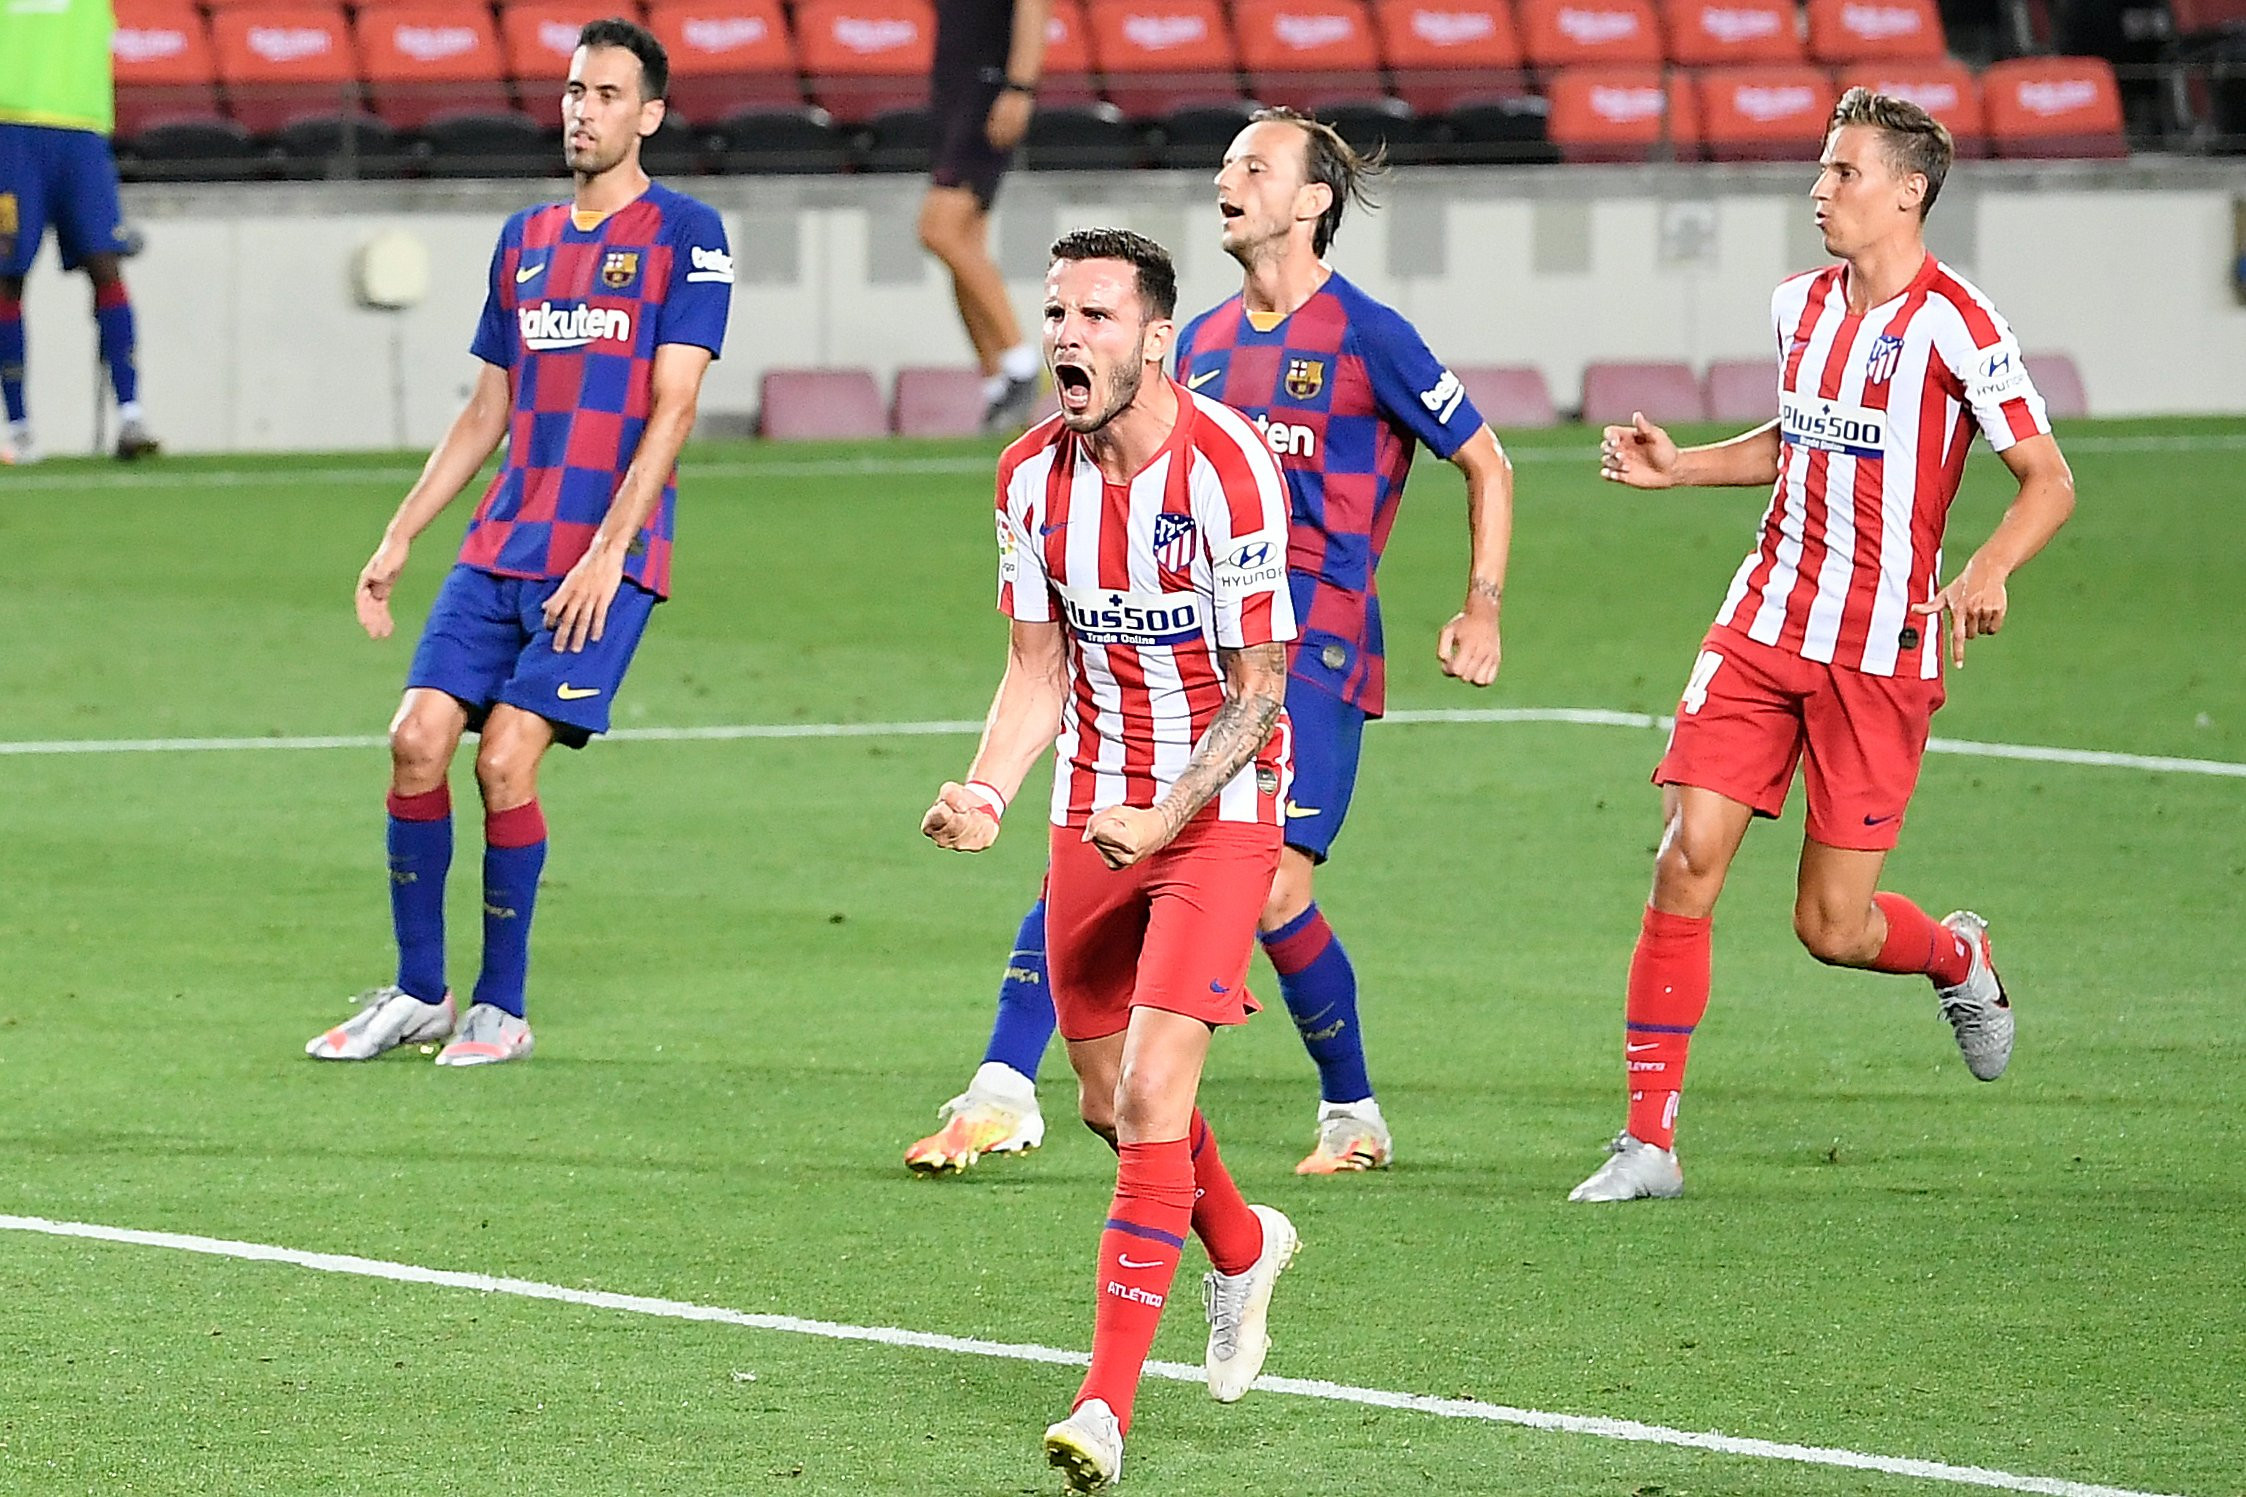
(872, 465)
(1418, 1403)
(1600, 717)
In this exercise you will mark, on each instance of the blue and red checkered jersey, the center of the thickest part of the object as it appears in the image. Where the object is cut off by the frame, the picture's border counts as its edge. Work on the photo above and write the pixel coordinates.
(574, 316)
(1345, 391)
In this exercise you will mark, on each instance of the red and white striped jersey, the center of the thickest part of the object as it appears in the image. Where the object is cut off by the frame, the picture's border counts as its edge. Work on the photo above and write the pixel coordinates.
(1149, 579)
(1876, 412)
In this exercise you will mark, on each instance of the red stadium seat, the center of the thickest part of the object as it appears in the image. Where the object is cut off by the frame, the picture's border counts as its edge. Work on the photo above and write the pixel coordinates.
(163, 65)
(1445, 52)
(2053, 106)
(1304, 53)
(1943, 88)
(1161, 55)
(2205, 17)
(426, 62)
(1511, 397)
(937, 403)
(864, 57)
(1875, 30)
(1067, 76)
(727, 57)
(286, 62)
(1665, 392)
(1576, 33)
(2060, 384)
(810, 405)
(1764, 114)
(1622, 114)
(540, 36)
(1742, 390)
(1706, 33)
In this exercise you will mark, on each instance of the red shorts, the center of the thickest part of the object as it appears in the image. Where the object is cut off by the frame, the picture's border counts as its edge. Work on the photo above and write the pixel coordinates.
(1173, 932)
(1752, 710)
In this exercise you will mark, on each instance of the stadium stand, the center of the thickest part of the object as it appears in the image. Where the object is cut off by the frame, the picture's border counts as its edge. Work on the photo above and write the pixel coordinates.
(426, 63)
(1511, 397)
(538, 38)
(937, 403)
(809, 405)
(1162, 58)
(1578, 33)
(2053, 106)
(1764, 114)
(727, 59)
(1445, 53)
(1623, 114)
(1309, 54)
(2060, 384)
(168, 118)
(1742, 390)
(1846, 31)
(1944, 88)
(864, 58)
(1067, 80)
(286, 64)
(1666, 392)
(1710, 33)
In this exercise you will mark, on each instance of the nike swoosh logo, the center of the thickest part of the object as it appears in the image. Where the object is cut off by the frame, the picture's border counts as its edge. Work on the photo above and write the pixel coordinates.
(569, 693)
(1877, 820)
(1054, 529)
(1634, 1049)
(1195, 382)
(528, 271)
(1296, 813)
(1130, 1262)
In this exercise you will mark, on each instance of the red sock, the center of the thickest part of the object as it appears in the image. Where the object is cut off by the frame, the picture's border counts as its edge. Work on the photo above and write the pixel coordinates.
(1139, 1251)
(1221, 1218)
(1917, 942)
(1668, 994)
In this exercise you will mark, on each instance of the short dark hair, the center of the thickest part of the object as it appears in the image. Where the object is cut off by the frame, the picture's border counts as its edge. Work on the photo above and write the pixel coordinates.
(1157, 277)
(654, 62)
(1916, 141)
(1329, 159)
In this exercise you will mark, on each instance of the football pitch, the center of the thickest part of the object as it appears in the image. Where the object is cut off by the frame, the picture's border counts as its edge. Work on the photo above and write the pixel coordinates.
(752, 983)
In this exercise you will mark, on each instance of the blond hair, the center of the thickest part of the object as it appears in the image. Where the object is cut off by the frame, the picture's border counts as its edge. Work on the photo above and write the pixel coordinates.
(1329, 159)
(1916, 141)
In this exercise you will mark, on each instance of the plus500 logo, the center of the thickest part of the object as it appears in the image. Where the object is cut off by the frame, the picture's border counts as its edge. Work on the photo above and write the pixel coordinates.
(1122, 618)
(1831, 427)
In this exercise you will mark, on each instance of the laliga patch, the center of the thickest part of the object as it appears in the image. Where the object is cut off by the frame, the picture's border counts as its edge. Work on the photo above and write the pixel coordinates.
(1998, 374)
(1008, 564)
(1830, 426)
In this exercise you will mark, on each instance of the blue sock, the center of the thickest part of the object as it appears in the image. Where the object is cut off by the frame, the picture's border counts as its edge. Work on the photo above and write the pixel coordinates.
(113, 323)
(1321, 992)
(514, 856)
(11, 357)
(1025, 1002)
(420, 857)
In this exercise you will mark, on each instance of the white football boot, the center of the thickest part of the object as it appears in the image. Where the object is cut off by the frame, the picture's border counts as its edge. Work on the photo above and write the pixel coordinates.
(1977, 1008)
(388, 1017)
(1238, 1306)
(1352, 1136)
(1087, 1446)
(1634, 1169)
(488, 1034)
(17, 449)
(997, 1114)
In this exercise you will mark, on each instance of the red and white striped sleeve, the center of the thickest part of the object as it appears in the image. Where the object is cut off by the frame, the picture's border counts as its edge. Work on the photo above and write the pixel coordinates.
(1024, 592)
(1241, 507)
(1976, 344)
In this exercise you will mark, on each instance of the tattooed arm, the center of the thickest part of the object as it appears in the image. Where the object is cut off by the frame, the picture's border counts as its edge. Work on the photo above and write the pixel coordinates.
(1255, 680)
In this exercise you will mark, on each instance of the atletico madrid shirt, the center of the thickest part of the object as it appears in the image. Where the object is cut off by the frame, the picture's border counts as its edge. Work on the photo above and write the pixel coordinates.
(574, 316)
(1344, 390)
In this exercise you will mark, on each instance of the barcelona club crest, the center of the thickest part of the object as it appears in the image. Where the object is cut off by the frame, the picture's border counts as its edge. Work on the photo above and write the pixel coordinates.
(619, 268)
(1173, 542)
(1305, 378)
(1879, 364)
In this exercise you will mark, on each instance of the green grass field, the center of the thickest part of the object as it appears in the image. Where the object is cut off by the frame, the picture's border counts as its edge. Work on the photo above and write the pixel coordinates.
(753, 983)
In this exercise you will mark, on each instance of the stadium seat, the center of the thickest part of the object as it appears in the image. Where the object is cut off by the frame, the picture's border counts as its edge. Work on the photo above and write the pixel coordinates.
(1506, 128)
(1843, 31)
(426, 62)
(1080, 137)
(1194, 138)
(287, 63)
(865, 57)
(1067, 78)
(1578, 33)
(1943, 88)
(1764, 114)
(1372, 124)
(1446, 52)
(1511, 397)
(2196, 18)
(898, 140)
(165, 73)
(1306, 53)
(810, 405)
(2053, 106)
(1713, 33)
(799, 141)
(357, 144)
(1742, 390)
(491, 145)
(1163, 56)
(937, 403)
(1622, 114)
(727, 58)
(2060, 384)
(538, 37)
(1665, 392)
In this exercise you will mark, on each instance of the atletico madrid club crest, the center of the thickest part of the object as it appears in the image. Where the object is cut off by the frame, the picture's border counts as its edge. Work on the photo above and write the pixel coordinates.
(1879, 364)
(1305, 378)
(1173, 542)
(619, 269)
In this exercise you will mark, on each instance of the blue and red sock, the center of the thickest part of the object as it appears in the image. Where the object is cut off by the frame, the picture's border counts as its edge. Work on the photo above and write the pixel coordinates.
(1024, 1022)
(514, 856)
(1320, 987)
(12, 357)
(420, 841)
(113, 325)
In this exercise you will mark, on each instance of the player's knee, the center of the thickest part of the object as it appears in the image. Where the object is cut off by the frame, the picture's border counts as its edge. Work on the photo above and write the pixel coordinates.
(505, 772)
(1826, 935)
(419, 749)
(1105, 1128)
(940, 231)
(1686, 876)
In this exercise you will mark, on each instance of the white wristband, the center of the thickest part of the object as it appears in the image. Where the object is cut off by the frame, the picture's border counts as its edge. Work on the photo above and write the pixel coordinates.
(988, 794)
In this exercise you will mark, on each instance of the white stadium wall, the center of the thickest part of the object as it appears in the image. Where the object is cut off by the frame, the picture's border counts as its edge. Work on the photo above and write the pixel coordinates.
(251, 338)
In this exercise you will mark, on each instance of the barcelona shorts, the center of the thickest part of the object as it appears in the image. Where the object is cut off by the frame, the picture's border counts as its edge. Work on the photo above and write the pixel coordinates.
(1752, 712)
(60, 179)
(1329, 736)
(486, 642)
(1173, 932)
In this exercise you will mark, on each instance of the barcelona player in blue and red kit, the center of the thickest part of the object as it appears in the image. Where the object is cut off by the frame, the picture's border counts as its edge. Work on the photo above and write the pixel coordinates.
(603, 314)
(1345, 392)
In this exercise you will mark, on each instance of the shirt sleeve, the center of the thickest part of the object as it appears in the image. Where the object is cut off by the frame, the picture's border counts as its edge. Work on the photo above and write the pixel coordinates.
(1981, 351)
(1241, 505)
(700, 293)
(1024, 593)
(1412, 386)
(495, 342)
